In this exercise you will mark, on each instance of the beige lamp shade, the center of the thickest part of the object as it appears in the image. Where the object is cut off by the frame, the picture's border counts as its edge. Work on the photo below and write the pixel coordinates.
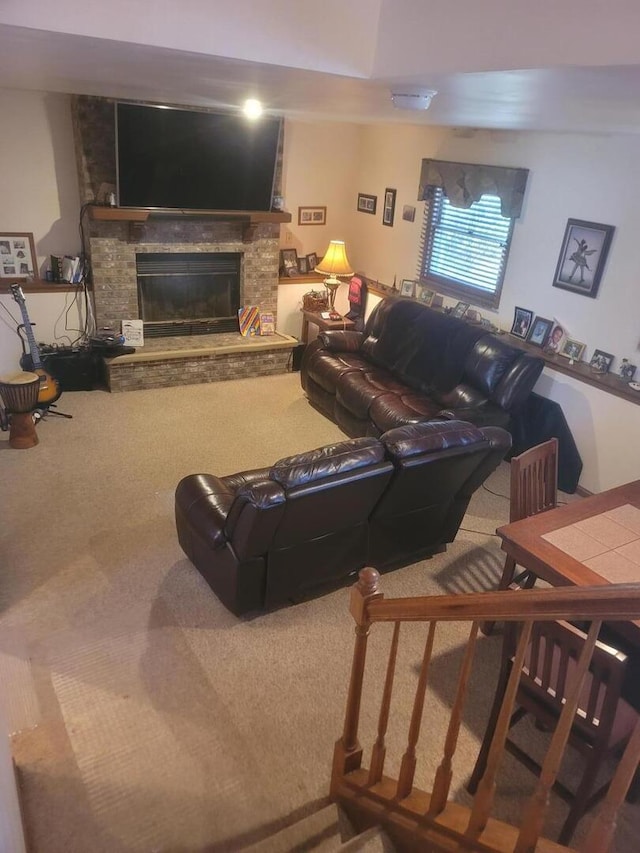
(334, 263)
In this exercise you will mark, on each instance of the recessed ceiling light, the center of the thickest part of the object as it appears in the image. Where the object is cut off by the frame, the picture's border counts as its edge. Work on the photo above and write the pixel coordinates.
(252, 108)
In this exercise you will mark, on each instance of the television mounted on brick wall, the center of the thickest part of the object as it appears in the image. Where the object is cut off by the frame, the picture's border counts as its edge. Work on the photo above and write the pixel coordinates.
(193, 159)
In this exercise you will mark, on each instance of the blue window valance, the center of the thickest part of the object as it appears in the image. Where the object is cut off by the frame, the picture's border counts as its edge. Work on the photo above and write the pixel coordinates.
(464, 183)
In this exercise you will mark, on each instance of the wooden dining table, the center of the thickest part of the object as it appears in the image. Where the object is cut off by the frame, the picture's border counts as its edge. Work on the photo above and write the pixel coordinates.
(588, 542)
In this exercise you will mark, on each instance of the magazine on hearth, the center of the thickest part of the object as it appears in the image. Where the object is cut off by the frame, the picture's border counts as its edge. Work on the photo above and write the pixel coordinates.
(267, 323)
(249, 320)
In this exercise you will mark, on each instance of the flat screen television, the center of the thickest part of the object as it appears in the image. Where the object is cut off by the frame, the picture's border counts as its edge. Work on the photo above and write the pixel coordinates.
(194, 160)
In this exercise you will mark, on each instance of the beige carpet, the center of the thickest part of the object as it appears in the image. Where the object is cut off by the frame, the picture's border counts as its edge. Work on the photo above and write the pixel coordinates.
(146, 717)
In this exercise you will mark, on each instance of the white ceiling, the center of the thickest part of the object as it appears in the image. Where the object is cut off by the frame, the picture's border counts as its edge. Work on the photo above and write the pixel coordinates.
(373, 47)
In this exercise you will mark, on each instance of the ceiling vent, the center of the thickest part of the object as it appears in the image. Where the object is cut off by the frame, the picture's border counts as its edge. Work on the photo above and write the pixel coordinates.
(419, 100)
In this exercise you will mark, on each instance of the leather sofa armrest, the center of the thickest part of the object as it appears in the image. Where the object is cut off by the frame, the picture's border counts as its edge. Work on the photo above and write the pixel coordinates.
(486, 414)
(341, 340)
(518, 382)
(206, 501)
(254, 517)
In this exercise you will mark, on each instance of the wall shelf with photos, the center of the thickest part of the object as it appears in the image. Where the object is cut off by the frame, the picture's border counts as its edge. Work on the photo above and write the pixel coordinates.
(610, 383)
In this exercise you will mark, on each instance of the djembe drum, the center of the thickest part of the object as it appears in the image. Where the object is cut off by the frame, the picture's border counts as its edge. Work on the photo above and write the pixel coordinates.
(19, 392)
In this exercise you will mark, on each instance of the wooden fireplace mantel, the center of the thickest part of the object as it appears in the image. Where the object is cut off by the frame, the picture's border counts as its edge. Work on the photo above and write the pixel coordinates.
(138, 216)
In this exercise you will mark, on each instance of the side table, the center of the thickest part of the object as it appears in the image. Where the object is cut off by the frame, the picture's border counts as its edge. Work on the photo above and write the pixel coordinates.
(324, 325)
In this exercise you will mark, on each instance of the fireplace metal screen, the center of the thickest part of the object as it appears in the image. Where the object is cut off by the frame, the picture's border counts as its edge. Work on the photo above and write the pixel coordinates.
(188, 293)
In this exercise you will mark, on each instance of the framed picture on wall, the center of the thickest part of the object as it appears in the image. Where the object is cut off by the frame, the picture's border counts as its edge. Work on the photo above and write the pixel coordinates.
(312, 216)
(367, 203)
(389, 207)
(583, 255)
(17, 256)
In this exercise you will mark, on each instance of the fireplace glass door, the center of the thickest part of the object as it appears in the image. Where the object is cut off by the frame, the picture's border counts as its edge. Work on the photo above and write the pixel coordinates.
(188, 293)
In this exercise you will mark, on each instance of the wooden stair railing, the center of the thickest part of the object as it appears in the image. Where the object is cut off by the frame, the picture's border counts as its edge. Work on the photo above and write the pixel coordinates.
(422, 821)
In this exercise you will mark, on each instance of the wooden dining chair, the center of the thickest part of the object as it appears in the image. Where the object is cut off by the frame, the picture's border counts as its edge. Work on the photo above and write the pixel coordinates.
(534, 489)
(603, 721)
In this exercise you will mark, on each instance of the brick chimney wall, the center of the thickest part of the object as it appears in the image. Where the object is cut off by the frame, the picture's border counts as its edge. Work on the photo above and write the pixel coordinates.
(112, 246)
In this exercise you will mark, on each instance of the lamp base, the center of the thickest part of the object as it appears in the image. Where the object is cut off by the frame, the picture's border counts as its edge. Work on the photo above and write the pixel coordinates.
(331, 284)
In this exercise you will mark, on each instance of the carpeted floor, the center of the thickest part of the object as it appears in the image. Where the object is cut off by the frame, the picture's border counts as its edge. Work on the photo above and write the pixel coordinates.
(146, 717)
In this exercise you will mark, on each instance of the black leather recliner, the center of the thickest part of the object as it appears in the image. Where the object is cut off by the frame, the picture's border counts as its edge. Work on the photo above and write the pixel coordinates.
(270, 536)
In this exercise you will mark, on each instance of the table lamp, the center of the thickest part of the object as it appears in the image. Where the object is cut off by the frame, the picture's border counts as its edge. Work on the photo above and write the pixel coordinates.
(334, 264)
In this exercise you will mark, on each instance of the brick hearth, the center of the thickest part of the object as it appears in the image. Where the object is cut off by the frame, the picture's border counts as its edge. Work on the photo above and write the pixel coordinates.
(165, 362)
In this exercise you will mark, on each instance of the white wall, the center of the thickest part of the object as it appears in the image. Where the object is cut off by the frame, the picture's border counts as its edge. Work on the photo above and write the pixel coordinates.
(571, 176)
(40, 196)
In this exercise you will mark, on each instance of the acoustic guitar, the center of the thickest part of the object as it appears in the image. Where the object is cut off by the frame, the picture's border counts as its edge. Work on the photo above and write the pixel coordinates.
(49, 389)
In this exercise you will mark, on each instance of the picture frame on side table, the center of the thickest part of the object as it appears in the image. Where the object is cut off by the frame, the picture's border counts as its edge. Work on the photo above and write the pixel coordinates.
(312, 261)
(539, 332)
(583, 256)
(17, 256)
(522, 320)
(572, 349)
(303, 265)
(367, 203)
(407, 287)
(288, 262)
(312, 215)
(389, 209)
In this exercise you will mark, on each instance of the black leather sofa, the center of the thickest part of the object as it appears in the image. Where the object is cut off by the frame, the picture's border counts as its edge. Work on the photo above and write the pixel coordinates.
(270, 536)
(413, 364)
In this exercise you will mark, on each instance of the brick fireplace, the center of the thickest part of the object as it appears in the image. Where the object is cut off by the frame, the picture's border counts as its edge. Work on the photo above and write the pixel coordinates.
(113, 245)
(113, 251)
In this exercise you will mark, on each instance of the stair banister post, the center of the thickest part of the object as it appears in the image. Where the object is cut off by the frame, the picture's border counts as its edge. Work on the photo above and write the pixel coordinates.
(347, 754)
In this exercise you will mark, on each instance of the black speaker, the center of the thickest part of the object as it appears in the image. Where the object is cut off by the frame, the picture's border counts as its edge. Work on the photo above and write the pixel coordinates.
(79, 370)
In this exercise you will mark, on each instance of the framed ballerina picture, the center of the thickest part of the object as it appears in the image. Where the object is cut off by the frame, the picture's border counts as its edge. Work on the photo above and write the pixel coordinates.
(583, 255)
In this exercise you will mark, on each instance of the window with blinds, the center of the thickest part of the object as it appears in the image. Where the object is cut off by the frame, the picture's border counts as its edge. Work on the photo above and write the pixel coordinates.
(464, 251)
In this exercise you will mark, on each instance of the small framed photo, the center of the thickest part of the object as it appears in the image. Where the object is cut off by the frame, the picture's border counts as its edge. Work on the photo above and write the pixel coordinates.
(408, 213)
(556, 338)
(583, 254)
(407, 288)
(572, 349)
(312, 261)
(312, 216)
(539, 332)
(425, 295)
(460, 309)
(17, 256)
(522, 320)
(288, 262)
(389, 207)
(367, 203)
(627, 370)
(303, 265)
(601, 361)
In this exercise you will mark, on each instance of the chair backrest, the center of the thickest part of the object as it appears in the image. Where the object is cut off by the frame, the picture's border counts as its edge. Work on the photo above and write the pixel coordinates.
(549, 669)
(534, 480)
(438, 465)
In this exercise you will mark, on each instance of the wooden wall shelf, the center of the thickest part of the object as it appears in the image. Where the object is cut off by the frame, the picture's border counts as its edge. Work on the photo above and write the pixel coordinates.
(39, 285)
(137, 216)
